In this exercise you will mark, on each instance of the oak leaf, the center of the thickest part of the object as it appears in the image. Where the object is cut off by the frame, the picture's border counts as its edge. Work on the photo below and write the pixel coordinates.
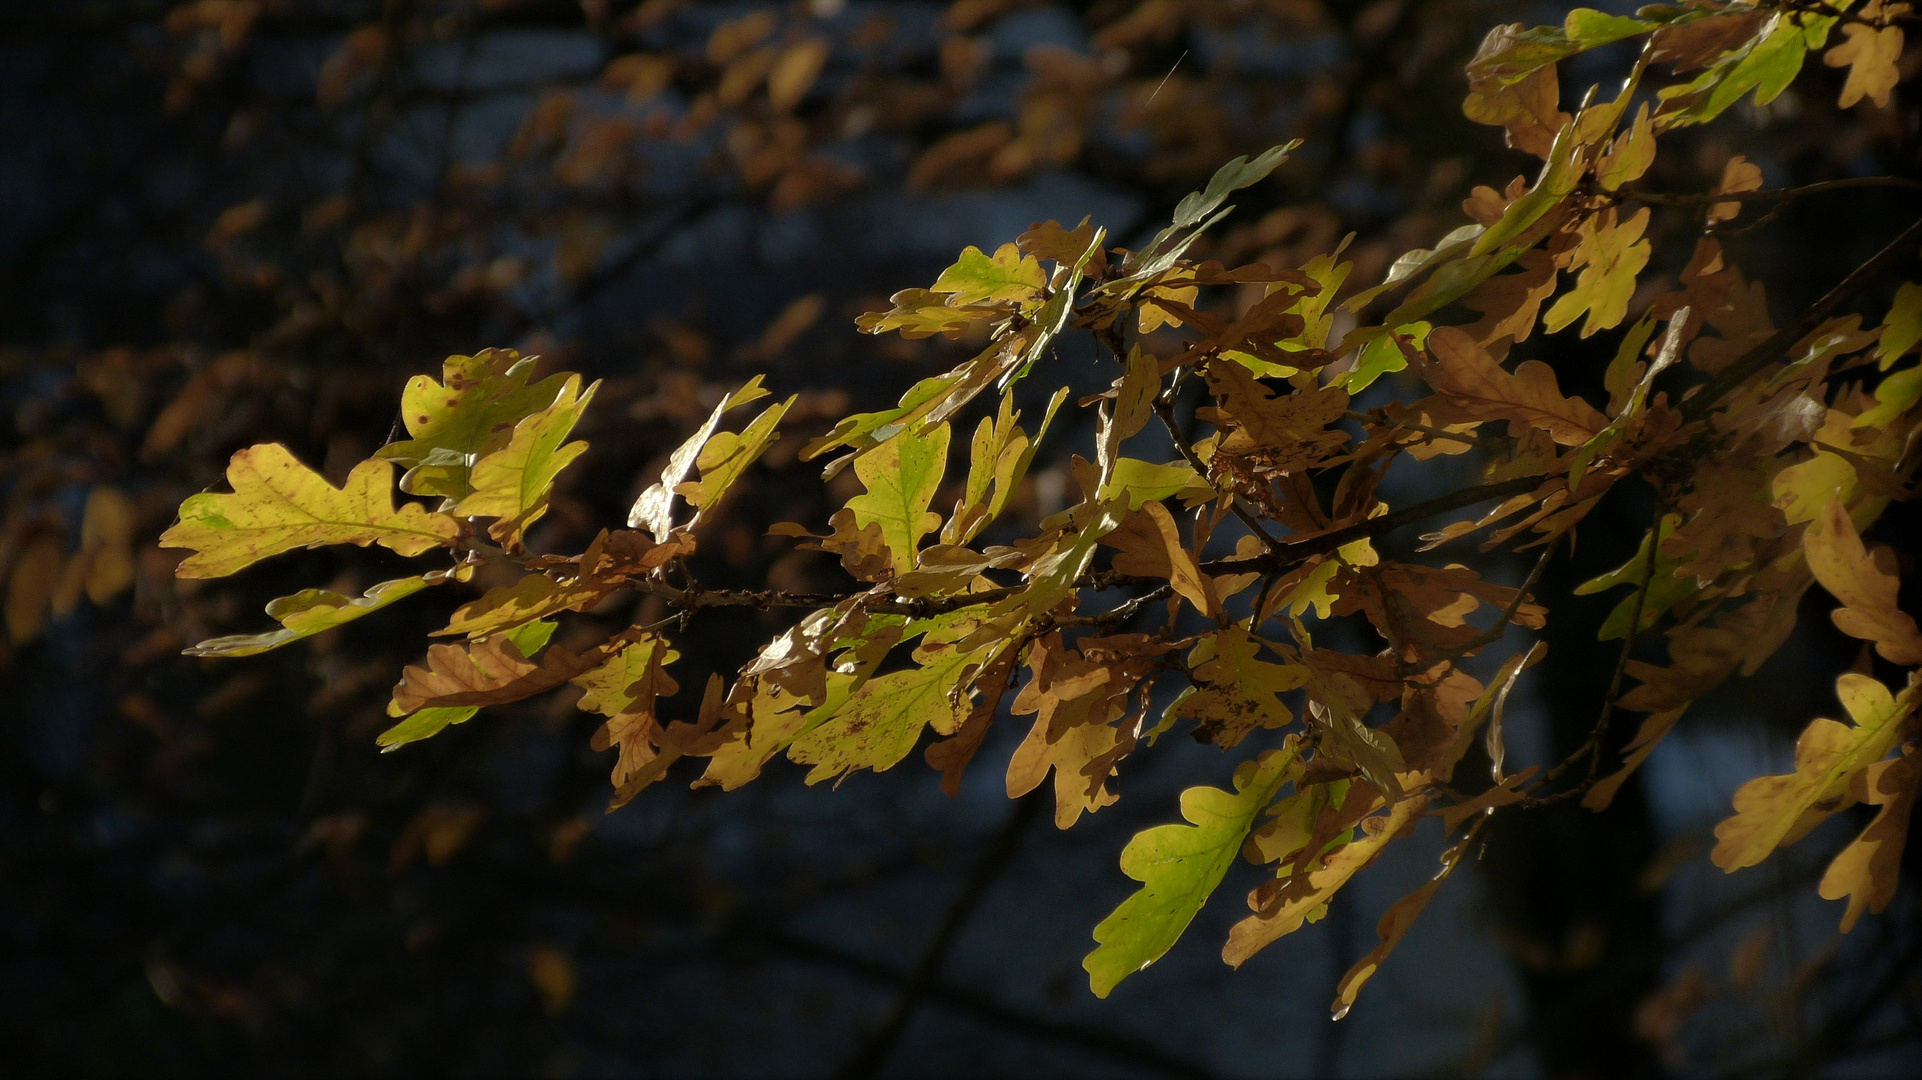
(1393, 926)
(1866, 585)
(1901, 327)
(978, 278)
(1468, 377)
(428, 722)
(1284, 433)
(1867, 871)
(1609, 256)
(312, 611)
(1871, 54)
(883, 719)
(512, 484)
(278, 505)
(1235, 690)
(726, 456)
(654, 509)
(1150, 544)
(470, 413)
(1293, 906)
(1180, 866)
(901, 476)
(1773, 811)
(491, 671)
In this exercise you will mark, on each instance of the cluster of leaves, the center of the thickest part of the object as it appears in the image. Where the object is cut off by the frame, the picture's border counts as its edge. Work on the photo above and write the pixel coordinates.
(1767, 449)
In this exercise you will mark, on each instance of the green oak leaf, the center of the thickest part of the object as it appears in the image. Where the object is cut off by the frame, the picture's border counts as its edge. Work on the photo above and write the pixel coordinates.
(1179, 866)
(902, 475)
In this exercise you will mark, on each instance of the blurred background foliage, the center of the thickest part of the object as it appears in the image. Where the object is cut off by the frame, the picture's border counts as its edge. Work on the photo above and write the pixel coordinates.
(239, 221)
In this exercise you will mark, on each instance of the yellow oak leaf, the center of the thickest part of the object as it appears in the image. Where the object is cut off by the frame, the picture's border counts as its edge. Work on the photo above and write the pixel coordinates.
(512, 484)
(278, 505)
(1871, 54)
(311, 611)
(1867, 871)
(1866, 584)
(1630, 155)
(654, 510)
(470, 413)
(978, 278)
(1609, 255)
(726, 456)
(1236, 690)
(1293, 907)
(881, 722)
(1773, 811)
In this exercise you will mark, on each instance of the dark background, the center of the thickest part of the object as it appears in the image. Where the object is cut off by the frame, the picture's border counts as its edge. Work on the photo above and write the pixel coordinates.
(226, 222)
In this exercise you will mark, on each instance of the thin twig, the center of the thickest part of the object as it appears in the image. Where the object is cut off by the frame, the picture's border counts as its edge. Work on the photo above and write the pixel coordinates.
(1167, 414)
(1667, 198)
(1288, 553)
(1407, 425)
(1701, 402)
(1592, 746)
(874, 1053)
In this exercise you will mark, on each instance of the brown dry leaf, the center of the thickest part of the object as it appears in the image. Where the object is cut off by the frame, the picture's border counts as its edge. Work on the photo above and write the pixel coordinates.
(1150, 544)
(1867, 871)
(1529, 109)
(439, 831)
(1699, 42)
(1468, 377)
(952, 755)
(794, 73)
(351, 65)
(1511, 303)
(1739, 175)
(1394, 925)
(1701, 658)
(1638, 749)
(1062, 246)
(486, 672)
(1502, 794)
(1866, 585)
(1286, 433)
(1075, 702)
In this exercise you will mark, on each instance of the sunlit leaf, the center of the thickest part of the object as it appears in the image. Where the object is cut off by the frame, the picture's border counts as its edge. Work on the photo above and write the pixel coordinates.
(278, 505)
(1179, 866)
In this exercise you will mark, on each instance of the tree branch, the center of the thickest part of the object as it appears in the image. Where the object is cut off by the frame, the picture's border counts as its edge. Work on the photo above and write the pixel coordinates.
(1698, 405)
(1667, 198)
(874, 1053)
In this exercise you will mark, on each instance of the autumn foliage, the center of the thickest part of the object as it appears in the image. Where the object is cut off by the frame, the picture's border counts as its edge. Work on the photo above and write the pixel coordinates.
(1188, 595)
